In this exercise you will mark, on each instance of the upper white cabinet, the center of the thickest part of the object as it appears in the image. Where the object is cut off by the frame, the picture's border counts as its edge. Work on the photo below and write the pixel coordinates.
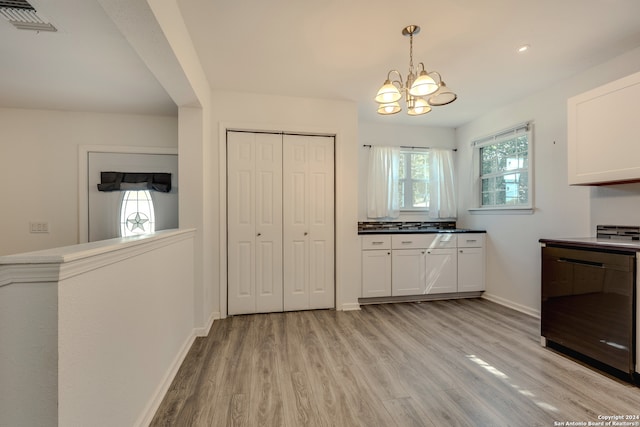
(604, 133)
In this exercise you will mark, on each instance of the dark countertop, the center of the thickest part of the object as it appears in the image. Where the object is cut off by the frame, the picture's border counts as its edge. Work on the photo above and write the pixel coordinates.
(595, 243)
(418, 231)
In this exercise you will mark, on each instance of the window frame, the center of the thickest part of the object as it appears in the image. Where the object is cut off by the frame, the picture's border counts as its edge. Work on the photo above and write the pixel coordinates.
(494, 139)
(408, 181)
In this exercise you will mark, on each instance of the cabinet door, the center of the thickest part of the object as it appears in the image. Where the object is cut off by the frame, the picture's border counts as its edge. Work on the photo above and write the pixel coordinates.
(308, 200)
(602, 130)
(408, 271)
(441, 271)
(471, 269)
(376, 273)
(254, 218)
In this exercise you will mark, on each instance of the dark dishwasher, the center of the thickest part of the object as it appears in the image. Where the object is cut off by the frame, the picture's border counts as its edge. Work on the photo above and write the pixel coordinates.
(588, 303)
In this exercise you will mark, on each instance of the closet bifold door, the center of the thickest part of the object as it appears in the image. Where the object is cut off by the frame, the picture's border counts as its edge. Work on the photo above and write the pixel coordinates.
(308, 222)
(254, 222)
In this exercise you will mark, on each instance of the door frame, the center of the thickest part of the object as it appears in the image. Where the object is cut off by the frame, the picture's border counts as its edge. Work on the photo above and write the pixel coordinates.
(223, 129)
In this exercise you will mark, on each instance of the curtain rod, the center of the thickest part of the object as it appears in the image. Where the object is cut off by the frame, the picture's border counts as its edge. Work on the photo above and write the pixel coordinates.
(410, 147)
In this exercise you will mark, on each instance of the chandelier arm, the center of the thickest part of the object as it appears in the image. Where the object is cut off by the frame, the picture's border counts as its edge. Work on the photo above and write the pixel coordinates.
(437, 74)
(395, 81)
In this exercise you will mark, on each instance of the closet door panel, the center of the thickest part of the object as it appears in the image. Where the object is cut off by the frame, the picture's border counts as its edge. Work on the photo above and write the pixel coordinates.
(308, 222)
(241, 223)
(295, 219)
(322, 222)
(254, 222)
(268, 218)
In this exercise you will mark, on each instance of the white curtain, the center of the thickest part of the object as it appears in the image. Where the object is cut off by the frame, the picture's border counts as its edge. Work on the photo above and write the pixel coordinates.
(442, 195)
(382, 189)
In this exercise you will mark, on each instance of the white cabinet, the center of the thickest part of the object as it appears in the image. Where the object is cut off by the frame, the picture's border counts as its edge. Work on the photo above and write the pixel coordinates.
(442, 271)
(422, 264)
(408, 272)
(471, 262)
(603, 129)
(376, 266)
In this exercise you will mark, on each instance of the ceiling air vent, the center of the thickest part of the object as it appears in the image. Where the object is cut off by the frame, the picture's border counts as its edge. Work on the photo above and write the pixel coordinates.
(23, 16)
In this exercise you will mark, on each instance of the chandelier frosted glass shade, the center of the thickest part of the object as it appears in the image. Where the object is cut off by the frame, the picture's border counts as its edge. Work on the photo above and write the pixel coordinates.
(442, 96)
(423, 85)
(388, 93)
(419, 107)
(390, 108)
(421, 90)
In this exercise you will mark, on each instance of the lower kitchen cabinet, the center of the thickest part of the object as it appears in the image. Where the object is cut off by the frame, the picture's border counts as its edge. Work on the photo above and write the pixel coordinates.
(471, 262)
(422, 264)
(376, 266)
(376, 273)
(408, 272)
(441, 271)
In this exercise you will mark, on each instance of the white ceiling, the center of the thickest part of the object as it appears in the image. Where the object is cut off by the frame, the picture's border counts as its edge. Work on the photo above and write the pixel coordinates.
(325, 49)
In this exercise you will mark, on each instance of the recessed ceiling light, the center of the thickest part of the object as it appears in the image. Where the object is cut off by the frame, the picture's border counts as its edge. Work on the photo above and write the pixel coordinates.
(523, 48)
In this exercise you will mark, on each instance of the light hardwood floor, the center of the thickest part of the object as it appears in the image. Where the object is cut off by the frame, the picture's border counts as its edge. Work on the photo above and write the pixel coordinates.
(439, 363)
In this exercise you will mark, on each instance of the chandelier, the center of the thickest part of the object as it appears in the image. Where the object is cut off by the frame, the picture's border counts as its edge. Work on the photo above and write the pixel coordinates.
(422, 90)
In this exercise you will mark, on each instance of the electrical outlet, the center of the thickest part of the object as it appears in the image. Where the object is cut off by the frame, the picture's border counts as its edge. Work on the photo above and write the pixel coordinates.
(39, 227)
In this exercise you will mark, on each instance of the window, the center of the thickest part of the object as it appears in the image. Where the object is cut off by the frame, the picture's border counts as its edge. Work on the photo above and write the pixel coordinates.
(137, 215)
(505, 169)
(413, 180)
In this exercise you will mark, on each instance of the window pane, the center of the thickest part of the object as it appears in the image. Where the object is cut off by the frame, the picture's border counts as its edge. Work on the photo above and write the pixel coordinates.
(420, 196)
(523, 188)
(401, 194)
(137, 215)
(503, 172)
(419, 166)
(401, 166)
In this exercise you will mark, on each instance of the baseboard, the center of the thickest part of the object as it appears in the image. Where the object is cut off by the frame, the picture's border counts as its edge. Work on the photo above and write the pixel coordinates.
(507, 303)
(204, 331)
(161, 390)
(350, 306)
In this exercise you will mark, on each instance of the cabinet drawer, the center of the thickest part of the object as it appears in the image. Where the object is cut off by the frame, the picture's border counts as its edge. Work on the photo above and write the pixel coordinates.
(471, 240)
(423, 241)
(376, 242)
(410, 241)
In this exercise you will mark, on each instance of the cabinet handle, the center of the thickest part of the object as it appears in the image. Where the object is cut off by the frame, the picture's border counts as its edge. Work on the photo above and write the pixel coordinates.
(259, 234)
(423, 252)
(388, 253)
(406, 241)
(377, 243)
(461, 251)
(306, 233)
(471, 241)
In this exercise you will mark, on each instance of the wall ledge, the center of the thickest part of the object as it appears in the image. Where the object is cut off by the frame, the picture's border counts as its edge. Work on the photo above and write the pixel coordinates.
(53, 265)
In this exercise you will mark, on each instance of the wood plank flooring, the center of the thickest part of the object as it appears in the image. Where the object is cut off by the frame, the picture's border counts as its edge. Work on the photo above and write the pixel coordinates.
(439, 363)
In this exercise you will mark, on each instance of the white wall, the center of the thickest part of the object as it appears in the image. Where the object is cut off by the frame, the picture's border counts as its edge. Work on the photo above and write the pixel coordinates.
(39, 167)
(395, 135)
(263, 112)
(513, 257)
